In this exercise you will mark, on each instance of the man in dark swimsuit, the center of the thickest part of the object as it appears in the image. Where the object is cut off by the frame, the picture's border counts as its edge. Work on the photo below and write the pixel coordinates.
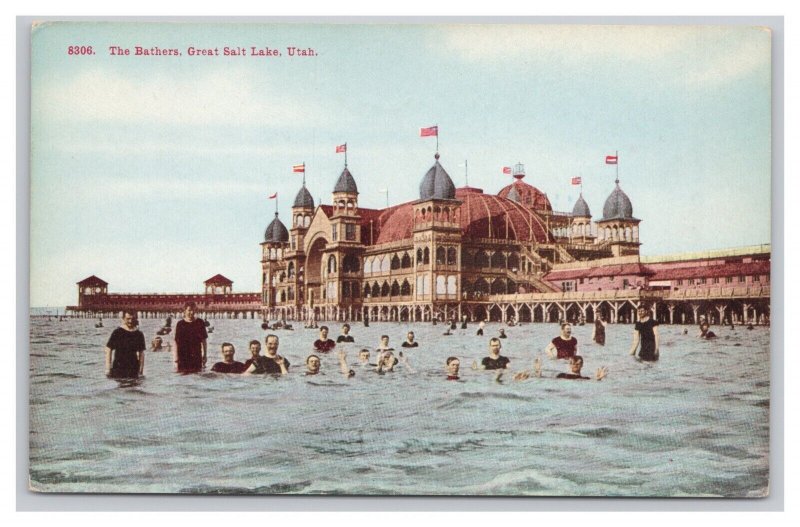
(645, 332)
(126, 345)
(271, 362)
(494, 361)
(345, 336)
(575, 365)
(565, 346)
(324, 344)
(190, 341)
(228, 365)
(599, 333)
(705, 333)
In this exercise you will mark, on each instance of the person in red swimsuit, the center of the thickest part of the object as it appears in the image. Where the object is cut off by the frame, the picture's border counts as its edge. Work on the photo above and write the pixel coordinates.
(324, 344)
(565, 346)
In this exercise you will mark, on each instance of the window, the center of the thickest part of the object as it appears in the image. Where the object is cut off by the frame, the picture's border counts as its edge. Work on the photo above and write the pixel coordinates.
(728, 279)
(334, 234)
(294, 242)
(701, 280)
(715, 280)
(350, 232)
(741, 279)
(690, 281)
(566, 286)
(756, 278)
(679, 282)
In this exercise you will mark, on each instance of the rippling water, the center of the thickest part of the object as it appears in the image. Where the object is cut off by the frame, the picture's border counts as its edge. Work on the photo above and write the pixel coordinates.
(694, 424)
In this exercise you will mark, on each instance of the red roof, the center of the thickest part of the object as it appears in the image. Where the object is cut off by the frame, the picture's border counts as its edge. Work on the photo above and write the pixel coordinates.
(92, 281)
(482, 216)
(713, 271)
(632, 269)
(218, 279)
(529, 195)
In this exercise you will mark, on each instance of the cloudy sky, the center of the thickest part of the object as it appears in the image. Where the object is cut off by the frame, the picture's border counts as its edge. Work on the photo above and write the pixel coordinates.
(153, 172)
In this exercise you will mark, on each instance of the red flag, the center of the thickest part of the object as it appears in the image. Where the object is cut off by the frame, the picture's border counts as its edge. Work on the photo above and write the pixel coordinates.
(341, 148)
(427, 132)
(506, 170)
(299, 168)
(576, 180)
(274, 196)
(611, 160)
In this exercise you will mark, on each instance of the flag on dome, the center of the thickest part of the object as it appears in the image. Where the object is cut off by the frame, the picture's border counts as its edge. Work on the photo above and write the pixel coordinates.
(274, 196)
(611, 160)
(341, 148)
(576, 180)
(506, 170)
(299, 168)
(430, 131)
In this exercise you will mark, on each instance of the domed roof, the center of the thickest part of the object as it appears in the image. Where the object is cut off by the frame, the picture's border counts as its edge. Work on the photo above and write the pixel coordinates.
(437, 183)
(276, 231)
(527, 195)
(482, 216)
(581, 208)
(303, 199)
(346, 183)
(618, 206)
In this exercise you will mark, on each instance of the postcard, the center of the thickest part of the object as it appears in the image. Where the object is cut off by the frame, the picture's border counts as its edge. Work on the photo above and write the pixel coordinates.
(400, 259)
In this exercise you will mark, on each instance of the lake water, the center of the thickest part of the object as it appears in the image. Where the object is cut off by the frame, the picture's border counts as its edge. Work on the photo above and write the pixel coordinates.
(694, 424)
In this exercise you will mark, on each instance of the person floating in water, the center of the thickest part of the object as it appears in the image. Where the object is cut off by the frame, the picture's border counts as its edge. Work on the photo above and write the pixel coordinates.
(324, 344)
(228, 365)
(409, 342)
(599, 331)
(494, 361)
(125, 350)
(190, 341)
(564, 346)
(345, 336)
(645, 332)
(452, 365)
(705, 333)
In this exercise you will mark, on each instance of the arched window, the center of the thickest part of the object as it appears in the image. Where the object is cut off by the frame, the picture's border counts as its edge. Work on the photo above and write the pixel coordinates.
(499, 260)
(405, 289)
(441, 285)
(385, 289)
(405, 263)
(426, 256)
(290, 269)
(282, 277)
(395, 262)
(367, 291)
(332, 264)
(395, 289)
(511, 287)
(350, 263)
(440, 256)
(467, 258)
(306, 221)
(451, 256)
(452, 289)
(513, 261)
(376, 265)
(345, 289)
(368, 265)
(376, 290)
(419, 256)
(481, 259)
(481, 286)
(385, 264)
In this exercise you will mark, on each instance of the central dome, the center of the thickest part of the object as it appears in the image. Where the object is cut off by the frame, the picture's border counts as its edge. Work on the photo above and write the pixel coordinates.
(437, 183)
(618, 206)
(526, 195)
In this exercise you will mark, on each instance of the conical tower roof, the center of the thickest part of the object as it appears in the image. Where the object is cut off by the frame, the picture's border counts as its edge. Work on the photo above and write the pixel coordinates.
(437, 183)
(618, 206)
(346, 183)
(276, 231)
(303, 199)
(581, 208)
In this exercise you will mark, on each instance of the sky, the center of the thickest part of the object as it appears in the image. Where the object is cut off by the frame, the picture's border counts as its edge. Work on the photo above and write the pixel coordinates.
(153, 172)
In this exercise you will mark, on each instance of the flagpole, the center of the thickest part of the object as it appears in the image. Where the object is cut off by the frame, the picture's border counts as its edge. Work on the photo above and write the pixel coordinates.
(345, 155)
(466, 173)
(616, 154)
(437, 138)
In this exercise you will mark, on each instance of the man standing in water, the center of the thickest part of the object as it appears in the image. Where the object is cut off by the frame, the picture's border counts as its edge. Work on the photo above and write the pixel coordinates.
(228, 365)
(324, 344)
(494, 361)
(599, 331)
(272, 363)
(645, 332)
(452, 365)
(564, 346)
(190, 341)
(345, 336)
(127, 346)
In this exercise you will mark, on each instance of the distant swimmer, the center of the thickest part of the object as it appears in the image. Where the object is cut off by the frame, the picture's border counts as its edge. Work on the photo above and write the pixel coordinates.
(323, 344)
(452, 365)
(384, 345)
(271, 362)
(749, 327)
(386, 361)
(99, 323)
(366, 321)
(481, 325)
(599, 331)
(190, 341)
(158, 345)
(345, 336)
(265, 325)
(228, 365)
(705, 333)
(409, 342)
(645, 332)
(313, 364)
(564, 346)
(125, 350)
(464, 322)
(453, 323)
(494, 361)
(363, 358)
(502, 334)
